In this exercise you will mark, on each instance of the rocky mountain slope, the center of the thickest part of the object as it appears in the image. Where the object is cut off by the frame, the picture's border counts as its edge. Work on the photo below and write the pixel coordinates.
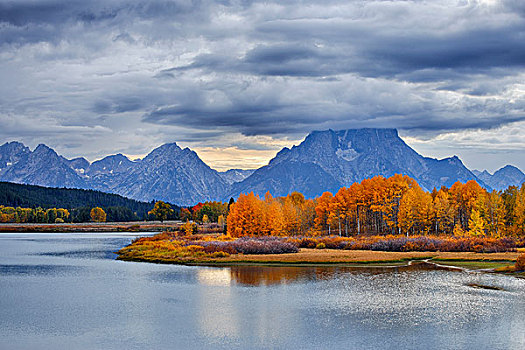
(235, 175)
(42, 167)
(168, 173)
(173, 174)
(328, 160)
(501, 179)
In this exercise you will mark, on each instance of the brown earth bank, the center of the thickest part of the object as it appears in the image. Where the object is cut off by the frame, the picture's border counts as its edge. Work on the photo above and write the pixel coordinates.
(132, 226)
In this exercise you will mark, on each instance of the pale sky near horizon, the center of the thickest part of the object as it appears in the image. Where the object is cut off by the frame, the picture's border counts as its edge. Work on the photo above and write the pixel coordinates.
(238, 80)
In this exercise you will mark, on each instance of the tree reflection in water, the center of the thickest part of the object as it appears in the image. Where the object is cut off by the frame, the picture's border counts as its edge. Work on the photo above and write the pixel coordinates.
(275, 275)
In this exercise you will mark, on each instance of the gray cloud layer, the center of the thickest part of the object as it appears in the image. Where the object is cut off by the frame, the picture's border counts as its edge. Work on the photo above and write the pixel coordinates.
(123, 76)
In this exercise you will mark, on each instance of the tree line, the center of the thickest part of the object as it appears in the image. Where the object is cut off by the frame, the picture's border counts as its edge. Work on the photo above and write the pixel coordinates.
(61, 215)
(78, 202)
(394, 205)
(30, 196)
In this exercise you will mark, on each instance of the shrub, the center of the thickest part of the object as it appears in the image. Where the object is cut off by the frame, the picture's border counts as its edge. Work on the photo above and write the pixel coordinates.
(189, 228)
(320, 246)
(219, 255)
(248, 245)
(59, 221)
(415, 243)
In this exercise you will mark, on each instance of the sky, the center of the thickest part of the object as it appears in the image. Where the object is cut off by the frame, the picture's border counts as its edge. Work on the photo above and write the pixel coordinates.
(236, 81)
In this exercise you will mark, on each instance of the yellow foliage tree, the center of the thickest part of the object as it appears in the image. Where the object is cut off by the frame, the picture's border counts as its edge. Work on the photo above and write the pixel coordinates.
(161, 210)
(519, 211)
(322, 211)
(443, 212)
(493, 209)
(221, 221)
(415, 210)
(97, 214)
(476, 224)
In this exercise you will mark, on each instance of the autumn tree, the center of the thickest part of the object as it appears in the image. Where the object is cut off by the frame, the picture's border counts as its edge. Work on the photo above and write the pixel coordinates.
(161, 211)
(443, 212)
(275, 215)
(416, 211)
(392, 191)
(519, 211)
(221, 221)
(97, 214)
(185, 214)
(476, 224)
(465, 198)
(509, 201)
(246, 217)
(211, 209)
(322, 211)
(493, 209)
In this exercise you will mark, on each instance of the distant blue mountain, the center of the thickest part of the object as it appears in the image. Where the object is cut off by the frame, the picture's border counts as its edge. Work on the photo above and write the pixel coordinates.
(507, 176)
(168, 173)
(235, 175)
(324, 161)
(328, 160)
(43, 167)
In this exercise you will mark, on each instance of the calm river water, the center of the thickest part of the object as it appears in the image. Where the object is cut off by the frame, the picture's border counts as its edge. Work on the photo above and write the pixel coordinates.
(66, 291)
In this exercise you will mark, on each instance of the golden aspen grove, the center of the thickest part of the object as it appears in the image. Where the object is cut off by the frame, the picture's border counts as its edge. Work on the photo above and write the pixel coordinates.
(383, 206)
(379, 214)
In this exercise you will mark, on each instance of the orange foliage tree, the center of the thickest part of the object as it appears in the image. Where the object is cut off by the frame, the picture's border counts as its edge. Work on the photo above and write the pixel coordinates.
(382, 205)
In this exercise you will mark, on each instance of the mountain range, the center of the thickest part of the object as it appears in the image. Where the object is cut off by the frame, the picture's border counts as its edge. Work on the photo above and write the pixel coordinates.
(501, 179)
(324, 161)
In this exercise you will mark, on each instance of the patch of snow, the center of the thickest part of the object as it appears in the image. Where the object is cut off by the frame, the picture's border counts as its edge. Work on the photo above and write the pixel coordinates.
(348, 154)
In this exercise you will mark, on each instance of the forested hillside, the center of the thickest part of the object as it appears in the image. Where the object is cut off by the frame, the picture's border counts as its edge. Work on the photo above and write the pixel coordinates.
(79, 202)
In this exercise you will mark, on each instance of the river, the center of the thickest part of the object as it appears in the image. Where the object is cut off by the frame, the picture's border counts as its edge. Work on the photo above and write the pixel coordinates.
(66, 291)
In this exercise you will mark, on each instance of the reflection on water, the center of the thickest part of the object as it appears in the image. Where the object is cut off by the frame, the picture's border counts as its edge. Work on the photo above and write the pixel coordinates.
(272, 275)
(67, 291)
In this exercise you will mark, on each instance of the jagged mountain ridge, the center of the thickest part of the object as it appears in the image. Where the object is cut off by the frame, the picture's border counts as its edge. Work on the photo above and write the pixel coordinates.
(235, 175)
(168, 173)
(11, 153)
(507, 176)
(42, 167)
(333, 159)
(324, 161)
(174, 174)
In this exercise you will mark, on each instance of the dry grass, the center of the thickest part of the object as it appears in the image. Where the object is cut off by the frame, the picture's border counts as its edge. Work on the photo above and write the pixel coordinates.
(335, 256)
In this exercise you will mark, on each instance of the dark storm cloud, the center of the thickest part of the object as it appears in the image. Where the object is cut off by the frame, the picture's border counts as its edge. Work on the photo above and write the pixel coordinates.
(118, 105)
(467, 53)
(195, 70)
(294, 60)
(248, 119)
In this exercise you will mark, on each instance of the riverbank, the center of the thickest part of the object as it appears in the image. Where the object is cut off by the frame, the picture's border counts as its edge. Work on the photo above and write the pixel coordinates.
(323, 257)
(218, 250)
(132, 226)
